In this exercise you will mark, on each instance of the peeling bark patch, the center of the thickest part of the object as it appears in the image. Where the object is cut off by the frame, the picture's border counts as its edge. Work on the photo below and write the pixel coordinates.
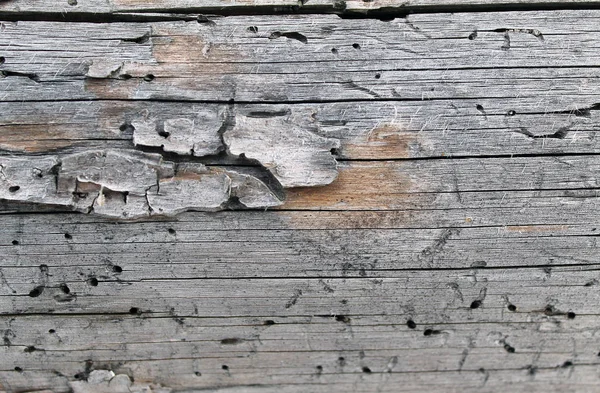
(128, 184)
(296, 156)
(131, 183)
(198, 136)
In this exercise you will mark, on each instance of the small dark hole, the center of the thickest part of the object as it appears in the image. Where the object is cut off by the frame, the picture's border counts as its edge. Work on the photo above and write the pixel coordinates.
(598, 353)
(473, 35)
(356, 46)
(149, 78)
(15, 242)
(509, 348)
(172, 231)
(269, 322)
(134, 310)
(511, 113)
(72, 2)
(342, 318)
(18, 369)
(225, 367)
(377, 76)
(366, 370)
(164, 134)
(204, 19)
(549, 310)
(2, 60)
(126, 127)
(79, 376)
(14, 188)
(30, 349)
(65, 288)
(512, 307)
(51, 331)
(479, 107)
(37, 291)
(198, 374)
(253, 29)
(428, 332)
(476, 304)
(571, 315)
(411, 324)
(566, 364)
(334, 51)
(231, 341)
(319, 368)
(125, 76)
(117, 269)
(93, 281)
(68, 236)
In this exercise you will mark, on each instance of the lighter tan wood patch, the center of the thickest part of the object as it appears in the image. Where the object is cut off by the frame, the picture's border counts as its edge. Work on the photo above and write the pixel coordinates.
(358, 186)
(385, 140)
(36, 138)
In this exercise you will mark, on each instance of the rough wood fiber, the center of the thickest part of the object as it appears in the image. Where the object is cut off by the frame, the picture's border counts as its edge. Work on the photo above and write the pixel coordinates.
(455, 251)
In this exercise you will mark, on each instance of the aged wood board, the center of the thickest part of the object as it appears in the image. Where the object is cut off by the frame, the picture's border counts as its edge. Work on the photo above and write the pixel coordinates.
(298, 196)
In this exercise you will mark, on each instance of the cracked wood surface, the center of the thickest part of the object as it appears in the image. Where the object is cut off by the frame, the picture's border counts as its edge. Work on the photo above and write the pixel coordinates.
(431, 185)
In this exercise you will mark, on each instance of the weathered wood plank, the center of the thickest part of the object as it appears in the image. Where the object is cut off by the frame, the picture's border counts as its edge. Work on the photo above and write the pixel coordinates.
(274, 59)
(366, 130)
(538, 335)
(408, 272)
(369, 185)
(131, 183)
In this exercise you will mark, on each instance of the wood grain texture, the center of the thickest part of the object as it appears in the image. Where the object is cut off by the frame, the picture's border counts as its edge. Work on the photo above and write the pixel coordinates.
(312, 58)
(164, 317)
(366, 130)
(431, 184)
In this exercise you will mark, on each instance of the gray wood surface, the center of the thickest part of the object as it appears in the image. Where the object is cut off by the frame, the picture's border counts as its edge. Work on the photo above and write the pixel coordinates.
(283, 200)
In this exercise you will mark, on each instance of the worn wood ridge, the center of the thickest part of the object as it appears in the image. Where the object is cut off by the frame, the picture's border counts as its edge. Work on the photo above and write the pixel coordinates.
(297, 196)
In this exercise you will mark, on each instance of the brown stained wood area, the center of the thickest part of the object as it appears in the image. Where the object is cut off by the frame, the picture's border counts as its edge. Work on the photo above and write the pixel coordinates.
(299, 196)
(358, 186)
